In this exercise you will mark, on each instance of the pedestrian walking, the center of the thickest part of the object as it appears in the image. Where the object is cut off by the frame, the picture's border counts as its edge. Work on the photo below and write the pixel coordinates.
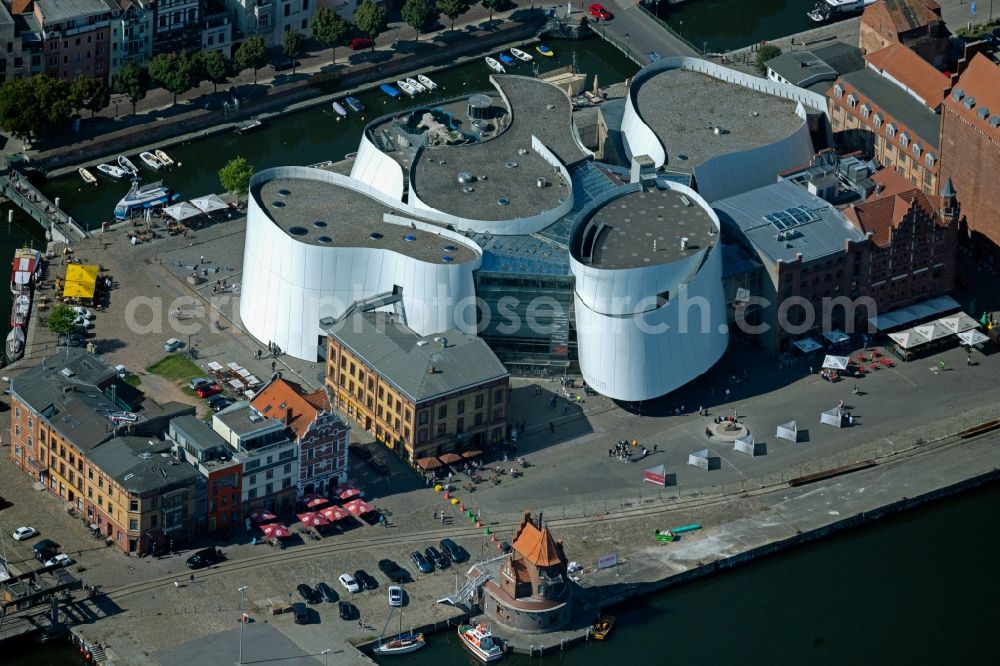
(201, 259)
(968, 360)
(810, 369)
(941, 364)
(274, 364)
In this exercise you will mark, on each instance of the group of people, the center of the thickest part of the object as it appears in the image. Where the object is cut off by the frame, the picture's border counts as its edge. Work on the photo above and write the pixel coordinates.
(623, 450)
(830, 375)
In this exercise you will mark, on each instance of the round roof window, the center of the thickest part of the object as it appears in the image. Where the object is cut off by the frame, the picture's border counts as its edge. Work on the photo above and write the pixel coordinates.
(324, 239)
(503, 201)
(511, 164)
(447, 259)
(319, 224)
(450, 248)
(410, 237)
(298, 231)
(284, 193)
(375, 235)
(278, 204)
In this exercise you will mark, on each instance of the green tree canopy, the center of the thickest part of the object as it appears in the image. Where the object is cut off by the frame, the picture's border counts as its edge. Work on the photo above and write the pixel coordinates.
(30, 108)
(89, 93)
(235, 176)
(174, 72)
(293, 44)
(371, 19)
(417, 13)
(329, 28)
(252, 54)
(216, 67)
(453, 9)
(495, 6)
(60, 320)
(131, 81)
(765, 53)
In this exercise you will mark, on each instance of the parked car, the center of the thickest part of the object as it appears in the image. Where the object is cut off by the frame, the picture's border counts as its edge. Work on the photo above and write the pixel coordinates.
(378, 464)
(599, 12)
(346, 610)
(327, 592)
(392, 571)
(282, 64)
(308, 594)
(421, 563)
(395, 596)
(435, 556)
(59, 560)
(365, 579)
(22, 533)
(219, 405)
(204, 557)
(359, 43)
(207, 391)
(455, 553)
(172, 345)
(72, 340)
(349, 583)
(45, 549)
(198, 381)
(300, 612)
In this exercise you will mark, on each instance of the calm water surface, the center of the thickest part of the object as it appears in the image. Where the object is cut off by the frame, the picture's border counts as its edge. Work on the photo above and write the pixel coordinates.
(725, 25)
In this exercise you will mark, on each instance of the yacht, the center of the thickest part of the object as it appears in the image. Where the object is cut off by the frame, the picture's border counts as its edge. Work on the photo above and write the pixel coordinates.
(834, 10)
(140, 197)
(417, 85)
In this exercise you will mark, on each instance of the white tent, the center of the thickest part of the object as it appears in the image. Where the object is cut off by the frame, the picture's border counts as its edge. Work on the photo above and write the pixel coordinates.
(959, 322)
(835, 362)
(699, 458)
(745, 444)
(806, 345)
(789, 431)
(933, 331)
(832, 417)
(181, 211)
(914, 312)
(909, 338)
(209, 204)
(836, 336)
(972, 337)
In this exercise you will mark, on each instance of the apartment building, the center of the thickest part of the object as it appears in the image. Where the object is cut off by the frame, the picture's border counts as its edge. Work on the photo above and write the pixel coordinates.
(132, 34)
(219, 498)
(272, 18)
(75, 34)
(177, 26)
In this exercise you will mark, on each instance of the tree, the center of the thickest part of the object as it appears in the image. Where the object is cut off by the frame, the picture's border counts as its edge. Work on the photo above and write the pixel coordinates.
(174, 72)
(329, 28)
(216, 67)
(235, 176)
(252, 54)
(293, 44)
(371, 19)
(765, 53)
(30, 108)
(131, 81)
(61, 320)
(417, 13)
(89, 93)
(453, 9)
(495, 6)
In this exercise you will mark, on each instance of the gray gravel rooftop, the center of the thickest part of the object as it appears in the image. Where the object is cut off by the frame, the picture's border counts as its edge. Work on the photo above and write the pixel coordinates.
(349, 218)
(681, 107)
(530, 114)
(635, 220)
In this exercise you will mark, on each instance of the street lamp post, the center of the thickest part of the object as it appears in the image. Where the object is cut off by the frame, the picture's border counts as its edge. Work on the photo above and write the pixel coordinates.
(326, 656)
(243, 591)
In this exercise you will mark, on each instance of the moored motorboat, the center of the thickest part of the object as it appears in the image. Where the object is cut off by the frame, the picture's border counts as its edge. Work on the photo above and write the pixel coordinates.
(15, 344)
(21, 309)
(406, 87)
(142, 197)
(480, 642)
(163, 157)
(248, 126)
(88, 177)
(493, 64)
(25, 269)
(521, 55)
(830, 10)
(339, 109)
(543, 50)
(603, 627)
(402, 644)
(389, 90)
(506, 60)
(111, 171)
(127, 166)
(417, 85)
(151, 160)
(430, 85)
(354, 103)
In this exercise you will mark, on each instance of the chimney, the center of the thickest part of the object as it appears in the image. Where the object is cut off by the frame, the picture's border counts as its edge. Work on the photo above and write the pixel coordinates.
(432, 370)
(288, 416)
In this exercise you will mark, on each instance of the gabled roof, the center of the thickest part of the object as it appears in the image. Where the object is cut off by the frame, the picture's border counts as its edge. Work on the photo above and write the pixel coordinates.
(537, 546)
(279, 396)
(906, 15)
(880, 216)
(981, 82)
(902, 64)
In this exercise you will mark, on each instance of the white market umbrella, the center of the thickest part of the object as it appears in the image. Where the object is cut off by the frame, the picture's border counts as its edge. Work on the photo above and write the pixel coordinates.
(835, 362)
(209, 204)
(181, 211)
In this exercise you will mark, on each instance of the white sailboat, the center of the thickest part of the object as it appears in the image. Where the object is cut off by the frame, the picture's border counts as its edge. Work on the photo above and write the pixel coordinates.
(402, 643)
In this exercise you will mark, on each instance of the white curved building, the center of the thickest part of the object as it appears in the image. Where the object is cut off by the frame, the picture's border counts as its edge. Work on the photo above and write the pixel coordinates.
(650, 310)
(317, 242)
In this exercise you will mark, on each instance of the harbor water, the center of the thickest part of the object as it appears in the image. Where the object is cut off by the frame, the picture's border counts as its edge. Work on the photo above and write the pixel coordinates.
(718, 26)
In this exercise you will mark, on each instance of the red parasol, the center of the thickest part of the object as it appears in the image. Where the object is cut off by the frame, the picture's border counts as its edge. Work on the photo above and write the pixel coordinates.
(334, 513)
(316, 502)
(308, 497)
(261, 515)
(350, 493)
(313, 519)
(275, 531)
(358, 507)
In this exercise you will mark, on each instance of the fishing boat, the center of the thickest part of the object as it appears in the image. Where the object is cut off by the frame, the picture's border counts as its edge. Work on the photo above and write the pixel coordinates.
(603, 627)
(417, 85)
(88, 177)
(339, 109)
(402, 643)
(25, 269)
(521, 55)
(354, 103)
(248, 126)
(15, 344)
(127, 166)
(151, 160)
(111, 171)
(426, 80)
(140, 197)
(543, 50)
(163, 157)
(506, 60)
(407, 88)
(494, 65)
(480, 642)
(389, 90)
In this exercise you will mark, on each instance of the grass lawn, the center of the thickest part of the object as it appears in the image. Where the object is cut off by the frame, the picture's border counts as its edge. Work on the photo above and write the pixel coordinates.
(133, 380)
(177, 368)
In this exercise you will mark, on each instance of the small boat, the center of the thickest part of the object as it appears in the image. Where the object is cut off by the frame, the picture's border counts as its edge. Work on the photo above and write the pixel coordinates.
(339, 109)
(389, 90)
(521, 55)
(830, 10)
(111, 171)
(480, 642)
(140, 197)
(248, 126)
(127, 166)
(15, 344)
(506, 59)
(88, 177)
(21, 309)
(25, 270)
(417, 85)
(542, 49)
(407, 88)
(151, 160)
(430, 85)
(163, 157)
(603, 627)
(494, 65)
(402, 644)
(354, 103)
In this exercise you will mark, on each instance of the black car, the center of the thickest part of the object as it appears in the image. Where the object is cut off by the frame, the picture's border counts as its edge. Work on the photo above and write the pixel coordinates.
(300, 612)
(284, 63)
(308, 594)
(365, 580)
(346, 610)
(378, 465)
(392, 571)
(45, 549)
(327, 592)
(204, 557)
(219, 405)
(435, 556)
(456, 553)
(420, 562)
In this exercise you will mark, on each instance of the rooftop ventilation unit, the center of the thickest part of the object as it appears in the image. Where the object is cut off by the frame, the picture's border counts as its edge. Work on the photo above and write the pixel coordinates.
(255, 416)
(684, 243)
(541, 182)
(686, 201)
(465, 177)
(66, 372)
(522, 151)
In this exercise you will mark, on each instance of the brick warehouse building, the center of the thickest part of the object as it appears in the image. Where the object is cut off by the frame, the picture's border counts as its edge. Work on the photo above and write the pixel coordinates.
(916, 24)
(970, 149)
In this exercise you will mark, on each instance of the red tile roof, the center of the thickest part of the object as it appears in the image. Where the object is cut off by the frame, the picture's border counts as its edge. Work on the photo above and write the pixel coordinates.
(906, 67)
(981, 81)
(281, 395)
(907, 15)
(537, 546)
(879, 216)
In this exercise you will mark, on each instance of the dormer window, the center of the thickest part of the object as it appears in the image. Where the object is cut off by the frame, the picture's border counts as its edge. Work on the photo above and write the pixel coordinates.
(878, 120)
(904, 139)
(890, 130)
(916, 149)
(852, 101)
(865, 110)
(929, 159)
(838, 91)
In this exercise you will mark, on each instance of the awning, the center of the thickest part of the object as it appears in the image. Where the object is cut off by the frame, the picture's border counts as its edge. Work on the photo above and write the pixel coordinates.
(972, 337)
(209, 204)
(915, 312)
(428, 463)
(275, 531)
(908, 339)
(334, 513)
(468, 455)
(181, 211)
(807, 345)
(835, 362)
(836, 336)
(261, 515)
(450, 458)
(958, 322)
(358, 507)
(81, 281)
